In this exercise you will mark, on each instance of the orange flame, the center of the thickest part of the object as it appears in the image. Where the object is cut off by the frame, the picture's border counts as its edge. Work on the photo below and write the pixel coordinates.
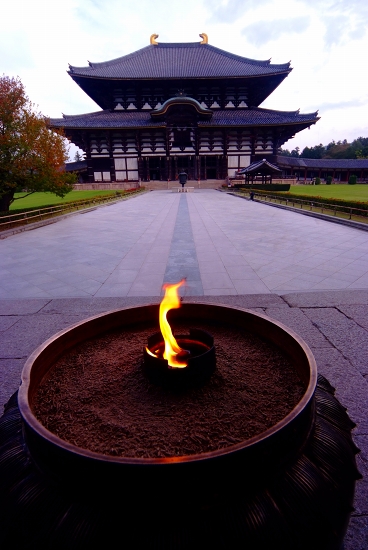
(171, 300)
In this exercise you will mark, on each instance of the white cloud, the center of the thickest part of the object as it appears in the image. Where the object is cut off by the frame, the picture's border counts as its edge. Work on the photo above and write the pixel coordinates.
(262, 32)
(326, 41)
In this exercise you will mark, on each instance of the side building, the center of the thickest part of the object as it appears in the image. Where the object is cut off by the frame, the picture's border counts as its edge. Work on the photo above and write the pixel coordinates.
(340, 170)
(179, 106)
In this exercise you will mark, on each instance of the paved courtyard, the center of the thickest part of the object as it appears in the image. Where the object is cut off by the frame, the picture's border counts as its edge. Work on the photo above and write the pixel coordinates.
(222, 244)
(310, 274)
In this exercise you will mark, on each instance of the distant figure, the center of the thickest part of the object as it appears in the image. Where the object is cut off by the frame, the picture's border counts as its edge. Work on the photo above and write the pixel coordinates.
(183, 177)
(251, 194)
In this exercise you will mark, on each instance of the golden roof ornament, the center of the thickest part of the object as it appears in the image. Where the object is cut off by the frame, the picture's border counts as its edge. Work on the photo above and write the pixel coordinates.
(153, 39)
(204, 38)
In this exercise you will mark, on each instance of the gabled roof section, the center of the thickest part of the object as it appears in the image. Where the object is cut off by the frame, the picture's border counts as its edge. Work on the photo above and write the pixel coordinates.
(179, 60)
(158, 114)
(261, 166)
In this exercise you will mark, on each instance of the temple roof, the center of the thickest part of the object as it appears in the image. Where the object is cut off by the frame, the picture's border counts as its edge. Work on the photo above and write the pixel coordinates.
(337, 164)
(261, 167)
(179, 60)
(160, 112)
(222, 117)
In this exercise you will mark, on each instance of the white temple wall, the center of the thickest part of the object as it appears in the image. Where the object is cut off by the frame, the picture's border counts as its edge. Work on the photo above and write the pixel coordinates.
(235, 162)
(126, 169)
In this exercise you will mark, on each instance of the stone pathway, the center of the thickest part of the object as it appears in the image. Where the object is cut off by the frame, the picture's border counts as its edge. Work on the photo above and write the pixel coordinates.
(222, 244)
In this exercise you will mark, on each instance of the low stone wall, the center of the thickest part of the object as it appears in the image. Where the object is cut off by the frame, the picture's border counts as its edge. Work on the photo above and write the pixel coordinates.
(202, 184)
(106, 186)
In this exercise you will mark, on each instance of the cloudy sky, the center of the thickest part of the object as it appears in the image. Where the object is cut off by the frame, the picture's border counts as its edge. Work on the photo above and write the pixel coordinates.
(326, 41)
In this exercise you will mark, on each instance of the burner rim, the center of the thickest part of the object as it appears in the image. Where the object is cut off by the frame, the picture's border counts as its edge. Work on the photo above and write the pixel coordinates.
(47, 352)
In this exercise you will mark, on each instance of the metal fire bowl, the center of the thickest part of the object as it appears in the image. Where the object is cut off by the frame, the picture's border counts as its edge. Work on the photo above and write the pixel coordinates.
(261, 454)
(290, 487)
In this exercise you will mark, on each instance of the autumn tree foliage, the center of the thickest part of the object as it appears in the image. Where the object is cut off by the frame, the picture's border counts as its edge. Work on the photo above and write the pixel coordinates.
(32, 157)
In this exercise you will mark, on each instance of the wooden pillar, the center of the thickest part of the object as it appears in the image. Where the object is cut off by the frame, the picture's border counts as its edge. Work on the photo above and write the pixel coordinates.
(253, 140)
(111, 153)
(168, 168)
(140, 169)
(87, 148)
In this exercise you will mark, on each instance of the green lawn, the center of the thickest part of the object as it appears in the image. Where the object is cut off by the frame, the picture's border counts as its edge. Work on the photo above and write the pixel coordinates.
(357, 192)
(48, 199)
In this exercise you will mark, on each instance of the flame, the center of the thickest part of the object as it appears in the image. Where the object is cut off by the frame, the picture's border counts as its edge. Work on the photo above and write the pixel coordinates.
(171, 300)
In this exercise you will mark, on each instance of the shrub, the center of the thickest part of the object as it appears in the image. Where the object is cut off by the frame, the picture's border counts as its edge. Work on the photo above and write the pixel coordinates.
(352, 180)
(317, 181)
(328, 180)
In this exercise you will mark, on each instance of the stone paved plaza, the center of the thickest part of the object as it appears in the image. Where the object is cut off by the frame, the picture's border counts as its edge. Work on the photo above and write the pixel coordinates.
(222, 244)
(310, 274)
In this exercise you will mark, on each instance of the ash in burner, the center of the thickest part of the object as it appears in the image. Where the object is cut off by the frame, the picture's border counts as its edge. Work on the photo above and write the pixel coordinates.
(98, 398)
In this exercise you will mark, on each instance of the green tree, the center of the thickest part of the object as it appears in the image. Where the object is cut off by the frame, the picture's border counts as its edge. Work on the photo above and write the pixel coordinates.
(316, 152)
(286, 153)
(78, 157)
(32, 157)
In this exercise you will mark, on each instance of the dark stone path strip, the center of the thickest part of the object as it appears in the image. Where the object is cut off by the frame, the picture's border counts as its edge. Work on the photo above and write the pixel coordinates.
(182, 261)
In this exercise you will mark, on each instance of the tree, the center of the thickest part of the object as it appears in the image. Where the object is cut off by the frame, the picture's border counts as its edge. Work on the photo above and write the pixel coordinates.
(316, 152)
(78, 157)
(32, 157)
(286, 153)
(358, 149)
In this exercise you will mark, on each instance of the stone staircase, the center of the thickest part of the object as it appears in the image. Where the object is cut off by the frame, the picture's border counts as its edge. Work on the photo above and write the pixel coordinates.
(203, 184)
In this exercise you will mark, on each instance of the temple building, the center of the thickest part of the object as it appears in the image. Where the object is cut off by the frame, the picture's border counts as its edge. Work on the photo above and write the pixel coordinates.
(170, 107)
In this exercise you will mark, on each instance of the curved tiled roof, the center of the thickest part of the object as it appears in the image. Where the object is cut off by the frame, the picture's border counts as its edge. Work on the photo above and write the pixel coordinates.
(179, 60)
(322, 163)
(188, 101)
(260, 165)
(221, 117)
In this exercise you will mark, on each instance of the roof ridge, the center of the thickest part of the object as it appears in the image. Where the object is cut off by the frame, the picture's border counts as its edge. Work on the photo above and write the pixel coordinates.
(297, 112)
(263, 63)
(219, 51)
(115, 61)
(84, 114)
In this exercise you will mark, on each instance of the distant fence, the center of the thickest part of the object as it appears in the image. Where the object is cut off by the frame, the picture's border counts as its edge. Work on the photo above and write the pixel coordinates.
(23, 218)
(336, 210)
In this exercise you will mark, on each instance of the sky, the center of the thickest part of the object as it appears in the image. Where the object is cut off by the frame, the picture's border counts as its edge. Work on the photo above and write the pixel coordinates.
(325, 40)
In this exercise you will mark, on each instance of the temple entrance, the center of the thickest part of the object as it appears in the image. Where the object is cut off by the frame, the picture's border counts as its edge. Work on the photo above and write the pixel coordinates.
(213, 167)
(156, 170)
(198, 168)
